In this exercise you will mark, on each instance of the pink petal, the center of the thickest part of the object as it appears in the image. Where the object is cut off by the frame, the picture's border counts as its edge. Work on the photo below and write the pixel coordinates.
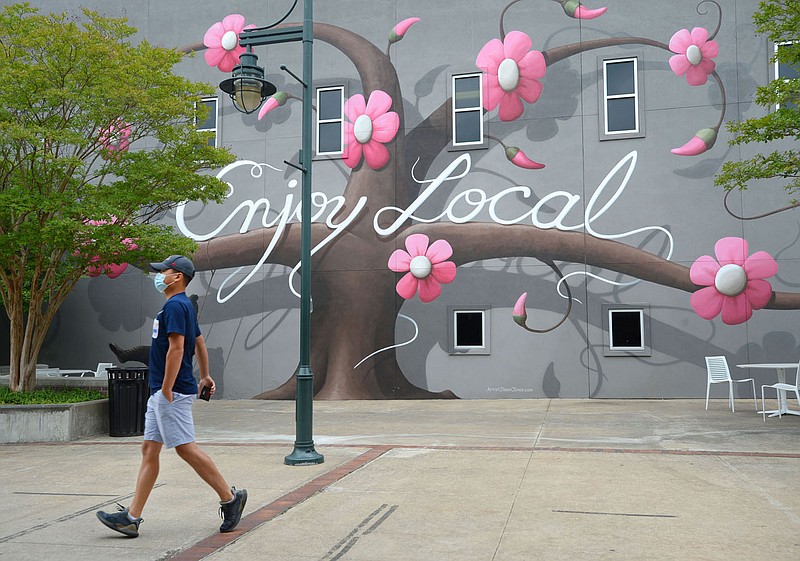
(758, 292)
(680, 41)
(376, 154)
(379, 103)
(510, 107)
(490, 56)
(696, 76)
(268, 106)
(710, 49)
(116, 270)
(529, 89)
(493, 93)
(516, 45)
(233, 22)
(525, 162)
(214, 55)
(444, 272)
(407, 286)
(417, 244)
(704, 271)
(707, 65)
(429, 289)
(400, 261)
(401, 28)
(707, 302)
(213, 37)
(679, 64)
(699, 36)
(230, 59)
(583, 12)
(519, 307)
(760, 265)
(352, 154)
(532, 65)
(736, 309)
(731, 250)
(385, 127)
(355, 107)
(692, 148)
(439, 251)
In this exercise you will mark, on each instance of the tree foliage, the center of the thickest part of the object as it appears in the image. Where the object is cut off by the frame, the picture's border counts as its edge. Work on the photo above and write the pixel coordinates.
(75, 91)
(779, 20)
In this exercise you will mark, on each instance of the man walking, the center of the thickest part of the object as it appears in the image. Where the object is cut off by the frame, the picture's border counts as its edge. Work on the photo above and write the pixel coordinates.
(169, 421)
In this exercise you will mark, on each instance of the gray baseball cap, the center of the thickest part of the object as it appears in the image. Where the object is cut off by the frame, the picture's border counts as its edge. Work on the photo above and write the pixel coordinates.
(176, 263)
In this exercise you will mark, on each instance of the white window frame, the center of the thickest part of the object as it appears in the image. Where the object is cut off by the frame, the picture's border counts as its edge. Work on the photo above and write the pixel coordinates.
(638, 130)
(644, 330)
(339, 120)
(775, 47)
(215, 110)
(479, 108)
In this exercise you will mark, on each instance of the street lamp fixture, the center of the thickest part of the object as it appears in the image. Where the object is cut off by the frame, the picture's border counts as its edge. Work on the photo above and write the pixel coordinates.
(248, 89)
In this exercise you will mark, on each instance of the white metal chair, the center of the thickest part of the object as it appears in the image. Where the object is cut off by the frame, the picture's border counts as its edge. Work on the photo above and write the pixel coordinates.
(780, 386)
(101, 369)
(718, 373)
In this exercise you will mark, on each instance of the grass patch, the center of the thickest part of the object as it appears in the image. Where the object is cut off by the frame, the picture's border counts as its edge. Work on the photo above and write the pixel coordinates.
(48, 395)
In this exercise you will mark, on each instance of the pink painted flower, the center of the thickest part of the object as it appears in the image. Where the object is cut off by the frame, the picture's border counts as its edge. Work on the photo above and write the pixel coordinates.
(371, 126)
(426, 267)
(222, 42)
(510, 71)
(399, 30)
(275, 100)
(694, 54)
(518, 158)
(734, 282)
(520, 314)
(702, 141)
(115, 139)
(575, 9)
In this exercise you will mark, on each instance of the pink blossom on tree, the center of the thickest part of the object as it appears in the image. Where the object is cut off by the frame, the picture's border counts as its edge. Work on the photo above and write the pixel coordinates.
(426, 267)
(734, 283)
(222, 42)
(511, 73)
(694, 54)
(115, 139)
(370, 126)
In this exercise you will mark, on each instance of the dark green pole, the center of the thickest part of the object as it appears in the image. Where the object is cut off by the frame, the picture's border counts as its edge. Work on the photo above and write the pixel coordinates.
(304, 452)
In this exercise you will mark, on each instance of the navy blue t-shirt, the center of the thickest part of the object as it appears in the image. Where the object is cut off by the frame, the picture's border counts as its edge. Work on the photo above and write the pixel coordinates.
(177, 316)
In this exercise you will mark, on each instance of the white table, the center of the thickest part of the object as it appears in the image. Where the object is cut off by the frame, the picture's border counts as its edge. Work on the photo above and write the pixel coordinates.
(783, 408)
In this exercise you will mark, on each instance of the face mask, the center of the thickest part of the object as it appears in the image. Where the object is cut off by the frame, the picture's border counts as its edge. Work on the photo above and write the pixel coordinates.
(159, 283)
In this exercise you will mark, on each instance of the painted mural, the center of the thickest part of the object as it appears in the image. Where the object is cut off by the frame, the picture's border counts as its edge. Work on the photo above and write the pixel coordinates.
(410, 220)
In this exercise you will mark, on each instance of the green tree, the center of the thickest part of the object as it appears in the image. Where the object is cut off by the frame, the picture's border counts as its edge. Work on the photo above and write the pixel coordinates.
(779, 20)
(75, 92)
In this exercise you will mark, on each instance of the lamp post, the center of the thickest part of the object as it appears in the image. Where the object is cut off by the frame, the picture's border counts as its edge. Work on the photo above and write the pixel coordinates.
(248, 89)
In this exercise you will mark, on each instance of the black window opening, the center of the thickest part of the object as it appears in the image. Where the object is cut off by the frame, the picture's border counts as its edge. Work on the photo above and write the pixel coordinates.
(209, 124)
(330, 119)
(467, 114)
(469, 332)
(620, 96)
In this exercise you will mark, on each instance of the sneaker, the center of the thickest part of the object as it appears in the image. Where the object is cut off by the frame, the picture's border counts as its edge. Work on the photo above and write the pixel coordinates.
(120, 522)
(231, 512)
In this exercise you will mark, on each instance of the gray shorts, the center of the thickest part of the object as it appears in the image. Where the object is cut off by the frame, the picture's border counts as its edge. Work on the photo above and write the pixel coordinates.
(171, 424)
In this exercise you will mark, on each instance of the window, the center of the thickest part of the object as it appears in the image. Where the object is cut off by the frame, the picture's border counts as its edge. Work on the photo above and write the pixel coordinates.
(620, 99)
(467, 114)
(626, 329)
(209, 124)
(783, 70)
(330, 119)
(469, 330)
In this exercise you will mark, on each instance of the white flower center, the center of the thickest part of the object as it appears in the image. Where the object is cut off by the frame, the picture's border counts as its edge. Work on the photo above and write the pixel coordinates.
(508, 75)
(230, 40)
(421, 266)
(362, 128)
(731, 280)
(694, 55)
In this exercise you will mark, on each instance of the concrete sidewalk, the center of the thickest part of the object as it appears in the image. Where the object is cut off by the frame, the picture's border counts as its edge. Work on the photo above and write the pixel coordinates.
(431, 480)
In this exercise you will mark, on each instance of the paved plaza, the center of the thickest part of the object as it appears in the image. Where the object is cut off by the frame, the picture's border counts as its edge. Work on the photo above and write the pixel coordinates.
(430, 480)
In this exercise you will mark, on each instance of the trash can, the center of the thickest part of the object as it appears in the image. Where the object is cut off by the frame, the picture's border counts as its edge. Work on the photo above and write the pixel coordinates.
(128, 392)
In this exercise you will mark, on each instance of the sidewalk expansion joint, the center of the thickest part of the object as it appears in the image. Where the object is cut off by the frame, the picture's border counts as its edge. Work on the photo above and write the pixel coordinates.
(210, 545)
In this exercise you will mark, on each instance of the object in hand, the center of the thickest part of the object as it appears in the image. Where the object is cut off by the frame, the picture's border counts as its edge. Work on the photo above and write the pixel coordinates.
(205, 393)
